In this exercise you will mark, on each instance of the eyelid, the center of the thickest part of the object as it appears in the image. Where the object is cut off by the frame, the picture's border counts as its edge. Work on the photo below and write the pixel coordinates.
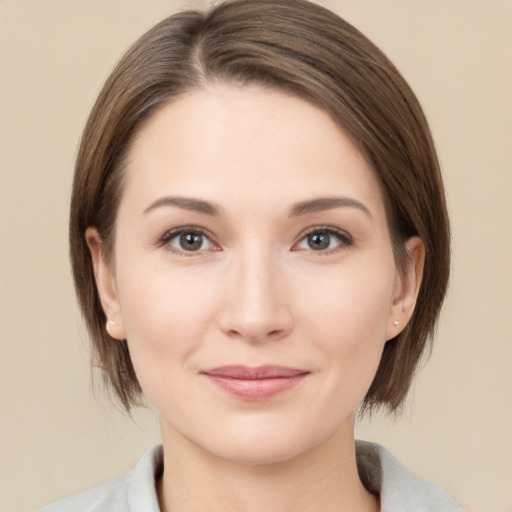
(346, 240)
(163, 241)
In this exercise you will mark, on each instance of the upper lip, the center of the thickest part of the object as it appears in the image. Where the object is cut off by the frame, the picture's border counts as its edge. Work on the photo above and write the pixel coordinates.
(254, 373)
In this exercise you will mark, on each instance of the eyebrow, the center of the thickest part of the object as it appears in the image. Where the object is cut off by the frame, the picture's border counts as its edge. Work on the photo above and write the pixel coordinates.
(303, 208)
(185, 203)
(326, 203)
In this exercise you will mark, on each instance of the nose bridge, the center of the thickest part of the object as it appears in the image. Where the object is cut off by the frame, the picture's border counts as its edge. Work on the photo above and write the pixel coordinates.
(255, 309)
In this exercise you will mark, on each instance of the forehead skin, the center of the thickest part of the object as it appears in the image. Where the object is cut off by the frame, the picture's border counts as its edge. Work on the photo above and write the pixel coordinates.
(224, 124)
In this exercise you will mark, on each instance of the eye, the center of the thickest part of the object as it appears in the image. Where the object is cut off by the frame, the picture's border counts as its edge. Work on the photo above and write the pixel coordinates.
(324, 240)
(187, 240)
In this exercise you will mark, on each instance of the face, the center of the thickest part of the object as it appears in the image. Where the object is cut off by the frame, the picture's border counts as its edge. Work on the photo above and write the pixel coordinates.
(253, 274)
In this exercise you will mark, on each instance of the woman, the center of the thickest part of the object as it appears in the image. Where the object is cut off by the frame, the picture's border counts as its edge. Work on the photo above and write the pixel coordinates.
(260, 245)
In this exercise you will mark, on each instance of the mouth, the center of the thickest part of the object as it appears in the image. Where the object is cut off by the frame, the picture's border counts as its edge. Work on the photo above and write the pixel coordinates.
(255, 383)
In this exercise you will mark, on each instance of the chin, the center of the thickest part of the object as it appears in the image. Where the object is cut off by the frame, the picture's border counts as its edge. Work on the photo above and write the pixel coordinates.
(263, 441)
(256, 452)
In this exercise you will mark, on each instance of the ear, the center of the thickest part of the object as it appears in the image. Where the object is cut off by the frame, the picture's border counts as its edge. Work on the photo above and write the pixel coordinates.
(106, 285)
(406, 288)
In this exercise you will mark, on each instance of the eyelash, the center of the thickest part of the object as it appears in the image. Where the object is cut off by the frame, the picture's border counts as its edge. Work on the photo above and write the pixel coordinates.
(185, 230)
(345, 240)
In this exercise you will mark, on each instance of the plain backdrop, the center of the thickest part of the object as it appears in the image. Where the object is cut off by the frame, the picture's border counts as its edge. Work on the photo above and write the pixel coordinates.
(57, 438)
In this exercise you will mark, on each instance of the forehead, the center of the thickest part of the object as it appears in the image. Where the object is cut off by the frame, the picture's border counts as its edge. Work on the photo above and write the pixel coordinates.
(258, 142)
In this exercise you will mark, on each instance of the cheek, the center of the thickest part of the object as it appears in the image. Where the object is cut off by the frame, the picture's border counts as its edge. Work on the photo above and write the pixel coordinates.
(352, 301)
(348, 316)
(166, 324)
(166, 314)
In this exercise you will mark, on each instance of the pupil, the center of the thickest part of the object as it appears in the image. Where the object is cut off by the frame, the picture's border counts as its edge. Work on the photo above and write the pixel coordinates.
(319, 241)
(191, 241)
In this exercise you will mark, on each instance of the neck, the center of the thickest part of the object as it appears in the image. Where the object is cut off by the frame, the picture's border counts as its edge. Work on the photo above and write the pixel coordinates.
(325, 478)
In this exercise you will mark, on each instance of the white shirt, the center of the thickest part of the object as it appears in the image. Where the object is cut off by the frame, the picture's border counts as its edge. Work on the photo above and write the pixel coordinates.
(399, 489)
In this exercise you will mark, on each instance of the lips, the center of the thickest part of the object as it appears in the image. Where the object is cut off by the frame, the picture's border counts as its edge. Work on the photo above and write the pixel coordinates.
(255, 383)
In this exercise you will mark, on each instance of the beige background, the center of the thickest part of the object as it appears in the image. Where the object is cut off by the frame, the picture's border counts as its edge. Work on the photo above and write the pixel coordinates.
(56, 438)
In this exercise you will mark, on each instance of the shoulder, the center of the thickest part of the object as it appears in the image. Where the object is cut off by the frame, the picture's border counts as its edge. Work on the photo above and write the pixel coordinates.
(399, 489)
(135, 490)
(109, 496)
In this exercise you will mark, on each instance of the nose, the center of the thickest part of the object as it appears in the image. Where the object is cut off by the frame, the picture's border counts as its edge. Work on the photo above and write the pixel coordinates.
(256, 306)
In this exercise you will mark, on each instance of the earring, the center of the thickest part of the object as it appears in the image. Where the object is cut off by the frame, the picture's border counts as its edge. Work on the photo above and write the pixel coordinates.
(396, 323)
(111, 322)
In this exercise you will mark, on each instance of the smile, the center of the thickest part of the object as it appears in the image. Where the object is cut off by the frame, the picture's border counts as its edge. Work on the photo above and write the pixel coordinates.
(257, 383)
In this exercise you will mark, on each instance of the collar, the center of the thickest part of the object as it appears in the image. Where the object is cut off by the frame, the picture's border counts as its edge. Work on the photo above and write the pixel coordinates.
(381, 473)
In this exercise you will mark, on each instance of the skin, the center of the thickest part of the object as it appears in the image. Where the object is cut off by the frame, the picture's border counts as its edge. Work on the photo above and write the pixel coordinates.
(256, 291)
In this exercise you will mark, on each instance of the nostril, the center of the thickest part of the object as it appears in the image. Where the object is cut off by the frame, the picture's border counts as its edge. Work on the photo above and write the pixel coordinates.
(254, 334)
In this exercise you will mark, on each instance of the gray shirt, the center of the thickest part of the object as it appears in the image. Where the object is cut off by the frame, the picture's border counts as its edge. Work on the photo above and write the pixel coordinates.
(399, 489)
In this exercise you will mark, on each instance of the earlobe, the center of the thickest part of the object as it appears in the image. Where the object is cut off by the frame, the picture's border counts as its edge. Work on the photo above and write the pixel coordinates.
(106, 286)
(407, 286)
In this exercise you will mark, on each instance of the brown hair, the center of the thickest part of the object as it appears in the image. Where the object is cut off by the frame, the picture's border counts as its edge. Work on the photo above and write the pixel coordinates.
(306, 50)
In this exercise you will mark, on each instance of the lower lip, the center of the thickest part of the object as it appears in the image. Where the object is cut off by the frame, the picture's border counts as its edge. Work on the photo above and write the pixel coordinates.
(256, 389)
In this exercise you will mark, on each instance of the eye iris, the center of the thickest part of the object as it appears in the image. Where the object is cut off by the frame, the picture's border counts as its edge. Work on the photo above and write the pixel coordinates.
(319, 241)
(191, 241)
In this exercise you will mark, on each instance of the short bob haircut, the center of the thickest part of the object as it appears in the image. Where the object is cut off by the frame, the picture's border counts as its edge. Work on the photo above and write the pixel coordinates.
(307, 51)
